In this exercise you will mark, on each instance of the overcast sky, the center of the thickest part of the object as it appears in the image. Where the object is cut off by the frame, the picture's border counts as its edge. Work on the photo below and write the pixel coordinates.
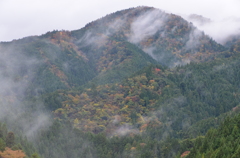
(21, 18)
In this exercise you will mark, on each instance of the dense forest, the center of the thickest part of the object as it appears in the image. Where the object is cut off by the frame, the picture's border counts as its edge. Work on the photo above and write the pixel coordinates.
(136, 83)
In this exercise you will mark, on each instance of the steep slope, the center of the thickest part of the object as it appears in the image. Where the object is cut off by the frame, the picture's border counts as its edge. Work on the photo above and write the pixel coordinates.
(117, 76)
(36, 65)
(108, 49)
(155, 110)
(220, 142)
(173, 98)
(13, 146)
(166, 37)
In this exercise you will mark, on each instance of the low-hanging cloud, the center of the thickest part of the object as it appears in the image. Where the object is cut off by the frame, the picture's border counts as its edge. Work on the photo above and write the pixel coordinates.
(16, 73)
(220, 30)
(94, 38)
(194, 39)
(126, 129)
(24, 18)
(147, 25)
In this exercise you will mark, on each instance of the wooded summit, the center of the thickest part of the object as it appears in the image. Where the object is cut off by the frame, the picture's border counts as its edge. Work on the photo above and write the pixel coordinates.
(136, 83)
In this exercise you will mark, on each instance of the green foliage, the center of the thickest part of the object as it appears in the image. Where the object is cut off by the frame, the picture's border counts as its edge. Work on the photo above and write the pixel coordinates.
(186, 101)
(15, 142)
(110, 98)
(10, 139)
(193, 93)
(2, 145)
(35, 155)
(223, 141)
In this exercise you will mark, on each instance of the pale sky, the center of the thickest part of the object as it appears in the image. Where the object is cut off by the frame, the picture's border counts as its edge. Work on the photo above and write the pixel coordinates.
(21, 18)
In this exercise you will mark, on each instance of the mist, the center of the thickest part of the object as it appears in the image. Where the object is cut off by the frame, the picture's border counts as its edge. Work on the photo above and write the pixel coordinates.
(125, 129)
(221, 30)
(98, 36)
(27, 18)
(153, 26)
(17, 70)
(147, 25)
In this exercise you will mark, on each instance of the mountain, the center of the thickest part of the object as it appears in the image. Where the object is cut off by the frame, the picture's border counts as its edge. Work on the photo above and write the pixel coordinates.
(199, 19)
(125, 41)
(136, 83)
(168, 38)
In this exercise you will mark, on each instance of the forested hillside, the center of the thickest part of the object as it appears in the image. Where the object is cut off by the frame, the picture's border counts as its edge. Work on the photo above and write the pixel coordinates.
(220, 142)
(12, 145)
(136, 83)
(197, 91)
(108, 49)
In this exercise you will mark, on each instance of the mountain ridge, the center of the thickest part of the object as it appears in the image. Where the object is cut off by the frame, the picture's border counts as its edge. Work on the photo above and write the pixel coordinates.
(96, 49)
(140, 79)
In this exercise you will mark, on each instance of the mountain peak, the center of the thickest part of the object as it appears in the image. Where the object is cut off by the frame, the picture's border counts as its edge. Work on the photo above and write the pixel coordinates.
(199, 19)
(167, 38)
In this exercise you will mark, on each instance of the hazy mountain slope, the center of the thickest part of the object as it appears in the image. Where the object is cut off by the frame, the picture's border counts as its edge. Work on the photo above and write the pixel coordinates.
(109, 78)
(177, 98)
(12, 145)
(38, 65)
(153, 107)
(168, 38)
(233, 43)
(105, 49)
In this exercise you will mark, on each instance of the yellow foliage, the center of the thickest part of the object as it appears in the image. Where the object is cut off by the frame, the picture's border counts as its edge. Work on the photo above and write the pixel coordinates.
(102, 126)
(151, 81)
(144, 86)
(127, 119)
(140, 118)
(75, 100)
(151, 87)
(96, 104)
(76, 121)
(59, 111)
(133, 148)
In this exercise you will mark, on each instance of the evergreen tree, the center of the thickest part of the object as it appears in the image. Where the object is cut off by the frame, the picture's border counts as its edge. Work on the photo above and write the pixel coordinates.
(10, 139)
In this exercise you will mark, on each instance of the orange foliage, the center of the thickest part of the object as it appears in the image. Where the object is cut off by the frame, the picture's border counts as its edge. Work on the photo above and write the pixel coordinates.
(235, 108)
(151, 81)
(157, 70)
(61, 35)
(9, 153)
(135, 98)
(56, 71)
(112, 108)
(133, 148)
(127, 98)
(185, 154)
(143, 127)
